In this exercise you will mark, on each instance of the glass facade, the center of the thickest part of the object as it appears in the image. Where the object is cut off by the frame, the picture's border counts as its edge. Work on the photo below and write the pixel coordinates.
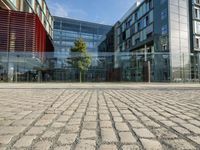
(66, 31)
(179, 38)
(26, 67)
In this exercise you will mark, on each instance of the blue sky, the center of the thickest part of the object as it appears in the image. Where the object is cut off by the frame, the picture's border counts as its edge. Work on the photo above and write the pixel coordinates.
(99, 11)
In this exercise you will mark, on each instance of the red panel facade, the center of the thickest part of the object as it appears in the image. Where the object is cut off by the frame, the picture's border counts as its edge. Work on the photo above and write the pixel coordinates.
(20, 31)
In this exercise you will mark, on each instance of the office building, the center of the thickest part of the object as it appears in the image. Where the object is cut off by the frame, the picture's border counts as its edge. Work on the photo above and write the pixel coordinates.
(156, 39)
(66, 31)
(25, 37)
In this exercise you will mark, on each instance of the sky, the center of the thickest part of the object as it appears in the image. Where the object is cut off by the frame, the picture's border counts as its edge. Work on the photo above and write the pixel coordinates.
(99, 11)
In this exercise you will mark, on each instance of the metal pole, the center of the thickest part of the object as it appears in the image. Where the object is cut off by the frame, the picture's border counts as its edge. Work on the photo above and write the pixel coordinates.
(149, 72)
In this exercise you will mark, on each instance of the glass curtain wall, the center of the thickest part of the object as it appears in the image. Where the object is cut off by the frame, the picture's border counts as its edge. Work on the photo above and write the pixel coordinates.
(132, 67)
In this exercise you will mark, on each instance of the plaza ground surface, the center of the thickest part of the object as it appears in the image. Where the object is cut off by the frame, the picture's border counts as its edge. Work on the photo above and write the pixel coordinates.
(99, 116)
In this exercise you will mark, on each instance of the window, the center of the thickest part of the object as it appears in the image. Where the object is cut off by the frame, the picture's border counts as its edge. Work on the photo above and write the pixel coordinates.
(128, 44)
(137, 40)
(164, 47)
(123, 27)
(164, 14)
(118, 31)
(197, 42)
(197, 27)
(197, 1)
(149, 35)
(136, 16)
(147, 21)
(139, 26)
(197, 13)
(162, 1)
(151, 17)
(150, 3)
(164, 30)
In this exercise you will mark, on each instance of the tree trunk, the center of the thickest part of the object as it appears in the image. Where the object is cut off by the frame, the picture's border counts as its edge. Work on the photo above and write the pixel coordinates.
(80, 76)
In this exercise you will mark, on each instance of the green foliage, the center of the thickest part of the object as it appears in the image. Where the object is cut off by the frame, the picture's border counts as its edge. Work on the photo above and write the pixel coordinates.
(79, 56)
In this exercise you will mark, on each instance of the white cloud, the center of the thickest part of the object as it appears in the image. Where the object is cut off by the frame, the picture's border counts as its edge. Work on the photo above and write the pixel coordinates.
(59, 10)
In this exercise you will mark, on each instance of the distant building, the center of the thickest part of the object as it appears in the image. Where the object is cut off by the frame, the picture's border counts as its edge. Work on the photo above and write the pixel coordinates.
(66, 31)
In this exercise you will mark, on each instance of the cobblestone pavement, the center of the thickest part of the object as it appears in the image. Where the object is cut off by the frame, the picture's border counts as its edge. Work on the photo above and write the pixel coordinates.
(151, 118)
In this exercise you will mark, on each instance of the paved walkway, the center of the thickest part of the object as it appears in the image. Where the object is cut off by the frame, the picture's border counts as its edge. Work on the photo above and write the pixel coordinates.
(105, 117)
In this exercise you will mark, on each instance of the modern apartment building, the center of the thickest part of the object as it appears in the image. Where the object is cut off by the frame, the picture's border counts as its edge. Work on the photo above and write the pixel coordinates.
(66, 31)
(158, 38)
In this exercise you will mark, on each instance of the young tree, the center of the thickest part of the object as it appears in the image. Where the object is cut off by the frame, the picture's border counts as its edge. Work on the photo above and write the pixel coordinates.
(80, 59)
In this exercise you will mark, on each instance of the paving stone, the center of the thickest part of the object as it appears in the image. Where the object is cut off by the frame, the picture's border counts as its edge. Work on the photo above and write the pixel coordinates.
(5, 139)
(178, 120)
(118, 119)
(151, 124)
(169, 123)
(23, 122)
(63, 118)
(36, 130)
(58, 125)
(108, 135)
(42, 145)
(90, 118)
(74, 122)
(67, 147)
(86, 145)
(136, 124)
(6, 122)
(181, 130)
(25, 141)
(104, 117)
(43, 122)
(180, 144)
(127, 137)
(11, 129)
(195, 139)
(105, 124)
(130, 147)
(192, 128)
(72, 128)
(195, 122)
(144, 133)
(49, 116)
(67, 138)
(121, 127)
(108, 147)
(88, 134)
(164, 133)
(130, 117)
(50, 133)
(89, 125)
(151, 144)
